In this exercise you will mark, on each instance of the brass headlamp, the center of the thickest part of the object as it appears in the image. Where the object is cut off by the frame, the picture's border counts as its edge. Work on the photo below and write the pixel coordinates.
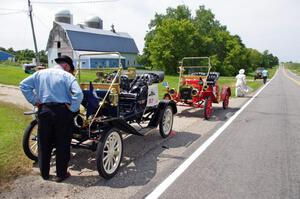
(113, 97)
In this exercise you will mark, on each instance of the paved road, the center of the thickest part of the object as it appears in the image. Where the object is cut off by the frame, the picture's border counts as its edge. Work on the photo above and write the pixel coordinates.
(257, 156)
(148, 160)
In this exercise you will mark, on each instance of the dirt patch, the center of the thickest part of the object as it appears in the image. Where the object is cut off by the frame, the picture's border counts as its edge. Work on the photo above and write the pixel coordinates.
(12, 94)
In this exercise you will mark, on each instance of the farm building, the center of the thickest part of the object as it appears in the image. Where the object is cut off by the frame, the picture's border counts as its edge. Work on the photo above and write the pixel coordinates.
(68, 39)
(4, 56)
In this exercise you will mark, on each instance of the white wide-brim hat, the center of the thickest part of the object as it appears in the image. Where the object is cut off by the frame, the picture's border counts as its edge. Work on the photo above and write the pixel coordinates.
(242, 71)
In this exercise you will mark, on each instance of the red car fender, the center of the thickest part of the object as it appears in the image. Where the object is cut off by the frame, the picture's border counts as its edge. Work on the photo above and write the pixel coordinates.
(205, 94)
(225, 91)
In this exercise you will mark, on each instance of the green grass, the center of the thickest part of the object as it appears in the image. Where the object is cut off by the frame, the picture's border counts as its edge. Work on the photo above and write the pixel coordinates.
(172, 81)
(294, 67)
(11, 75)
(13, 162)
(272, 71)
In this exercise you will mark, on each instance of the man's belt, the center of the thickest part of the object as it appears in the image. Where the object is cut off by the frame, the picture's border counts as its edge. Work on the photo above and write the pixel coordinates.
(53, 104)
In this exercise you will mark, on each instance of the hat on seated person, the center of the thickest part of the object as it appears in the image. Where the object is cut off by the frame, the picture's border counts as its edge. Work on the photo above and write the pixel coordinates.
(242, 71)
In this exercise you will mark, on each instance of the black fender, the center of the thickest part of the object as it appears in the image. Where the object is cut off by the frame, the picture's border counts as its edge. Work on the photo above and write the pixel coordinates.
(164, 103)
(122, 125)
(160, 111)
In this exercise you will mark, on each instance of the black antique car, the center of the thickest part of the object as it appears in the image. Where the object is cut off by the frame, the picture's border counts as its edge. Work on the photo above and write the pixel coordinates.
(115, 102)
(258, 73)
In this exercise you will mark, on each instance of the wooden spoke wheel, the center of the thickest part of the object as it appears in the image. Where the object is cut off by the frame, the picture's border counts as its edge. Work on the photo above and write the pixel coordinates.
(208, 108)
(226, 102)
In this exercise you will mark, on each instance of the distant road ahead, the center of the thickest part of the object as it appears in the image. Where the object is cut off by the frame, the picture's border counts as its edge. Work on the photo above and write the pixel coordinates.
(257, 156)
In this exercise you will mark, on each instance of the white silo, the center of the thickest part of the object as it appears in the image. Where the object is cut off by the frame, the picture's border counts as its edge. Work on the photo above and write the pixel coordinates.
(64, 16)
(94, 22)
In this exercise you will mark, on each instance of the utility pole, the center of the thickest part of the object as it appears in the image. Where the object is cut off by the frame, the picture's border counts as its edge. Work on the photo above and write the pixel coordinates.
(33, 33)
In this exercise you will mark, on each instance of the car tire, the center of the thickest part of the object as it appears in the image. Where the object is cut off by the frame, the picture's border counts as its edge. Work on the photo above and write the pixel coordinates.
(225, 102)
(109, 153)
(166, 122)
(30, 145)
(207, 108)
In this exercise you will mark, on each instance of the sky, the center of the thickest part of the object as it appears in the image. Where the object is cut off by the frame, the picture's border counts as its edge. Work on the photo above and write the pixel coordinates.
(262, 24)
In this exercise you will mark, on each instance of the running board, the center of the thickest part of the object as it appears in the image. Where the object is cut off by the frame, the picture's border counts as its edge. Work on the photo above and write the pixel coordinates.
(125, 127)
(146, 131)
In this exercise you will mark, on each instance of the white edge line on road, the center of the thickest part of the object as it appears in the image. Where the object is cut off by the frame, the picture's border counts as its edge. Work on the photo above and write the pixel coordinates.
(177, 172)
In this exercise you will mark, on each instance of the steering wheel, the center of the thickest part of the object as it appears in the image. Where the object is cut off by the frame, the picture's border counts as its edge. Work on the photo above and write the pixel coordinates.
(110, 77)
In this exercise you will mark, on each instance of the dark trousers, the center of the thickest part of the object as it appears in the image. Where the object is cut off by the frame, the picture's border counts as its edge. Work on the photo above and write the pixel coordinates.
(265, 79)
(55, 125)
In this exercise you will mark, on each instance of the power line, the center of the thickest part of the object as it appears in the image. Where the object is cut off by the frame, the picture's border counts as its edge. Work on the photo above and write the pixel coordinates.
(41, 21)
(74, 2)
(11, 13)
(9, 9)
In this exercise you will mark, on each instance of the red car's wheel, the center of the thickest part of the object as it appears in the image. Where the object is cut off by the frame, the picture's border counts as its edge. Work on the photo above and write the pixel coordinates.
(207, 108)
(226, 102)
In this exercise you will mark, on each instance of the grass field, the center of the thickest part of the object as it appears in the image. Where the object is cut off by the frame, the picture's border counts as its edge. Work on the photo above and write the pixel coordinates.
(13, 162)
(294, 67)
(11, 75)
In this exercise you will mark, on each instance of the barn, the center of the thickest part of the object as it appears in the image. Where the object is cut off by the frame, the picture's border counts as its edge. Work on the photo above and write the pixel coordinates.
(4, 56)
(65, 38)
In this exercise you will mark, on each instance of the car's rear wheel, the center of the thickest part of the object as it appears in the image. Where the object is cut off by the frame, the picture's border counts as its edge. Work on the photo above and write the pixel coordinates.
(30, 141)
(109, 153)
(166, 122)
(207, 108)
(226, 102)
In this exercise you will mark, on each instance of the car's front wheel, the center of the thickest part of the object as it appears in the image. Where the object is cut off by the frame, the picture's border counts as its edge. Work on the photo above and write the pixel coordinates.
(109, 153)
(166, 122)
(207, 108)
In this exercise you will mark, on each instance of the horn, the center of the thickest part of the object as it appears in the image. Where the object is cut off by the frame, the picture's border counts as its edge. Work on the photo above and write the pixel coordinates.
(205, 87)
(194, 92)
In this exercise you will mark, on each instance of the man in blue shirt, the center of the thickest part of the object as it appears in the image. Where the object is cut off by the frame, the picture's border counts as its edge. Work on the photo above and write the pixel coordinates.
(57, 95)
(264, 74)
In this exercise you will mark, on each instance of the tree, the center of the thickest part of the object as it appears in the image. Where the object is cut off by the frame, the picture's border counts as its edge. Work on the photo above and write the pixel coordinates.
(254, 59)
(25, 55)
(179, 13)
(171, 43)
(43, 57)
(176, 34)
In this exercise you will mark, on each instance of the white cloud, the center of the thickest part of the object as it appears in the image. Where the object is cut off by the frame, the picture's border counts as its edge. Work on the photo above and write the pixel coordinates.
(262, 24)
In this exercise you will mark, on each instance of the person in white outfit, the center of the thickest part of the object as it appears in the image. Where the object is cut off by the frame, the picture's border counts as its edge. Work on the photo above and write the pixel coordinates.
(241, 86)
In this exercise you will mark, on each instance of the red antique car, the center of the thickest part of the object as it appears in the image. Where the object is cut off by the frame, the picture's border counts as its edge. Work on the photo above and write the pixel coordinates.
(198, 86)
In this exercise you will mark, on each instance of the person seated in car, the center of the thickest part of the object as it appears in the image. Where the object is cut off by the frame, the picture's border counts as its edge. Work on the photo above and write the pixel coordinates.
(100, 77)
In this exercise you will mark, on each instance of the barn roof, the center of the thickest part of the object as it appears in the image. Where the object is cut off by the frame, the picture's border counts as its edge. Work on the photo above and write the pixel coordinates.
(83, 38)
(5, 55)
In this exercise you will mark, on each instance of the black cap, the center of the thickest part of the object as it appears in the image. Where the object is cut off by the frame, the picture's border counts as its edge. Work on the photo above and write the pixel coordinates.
(65, 59)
